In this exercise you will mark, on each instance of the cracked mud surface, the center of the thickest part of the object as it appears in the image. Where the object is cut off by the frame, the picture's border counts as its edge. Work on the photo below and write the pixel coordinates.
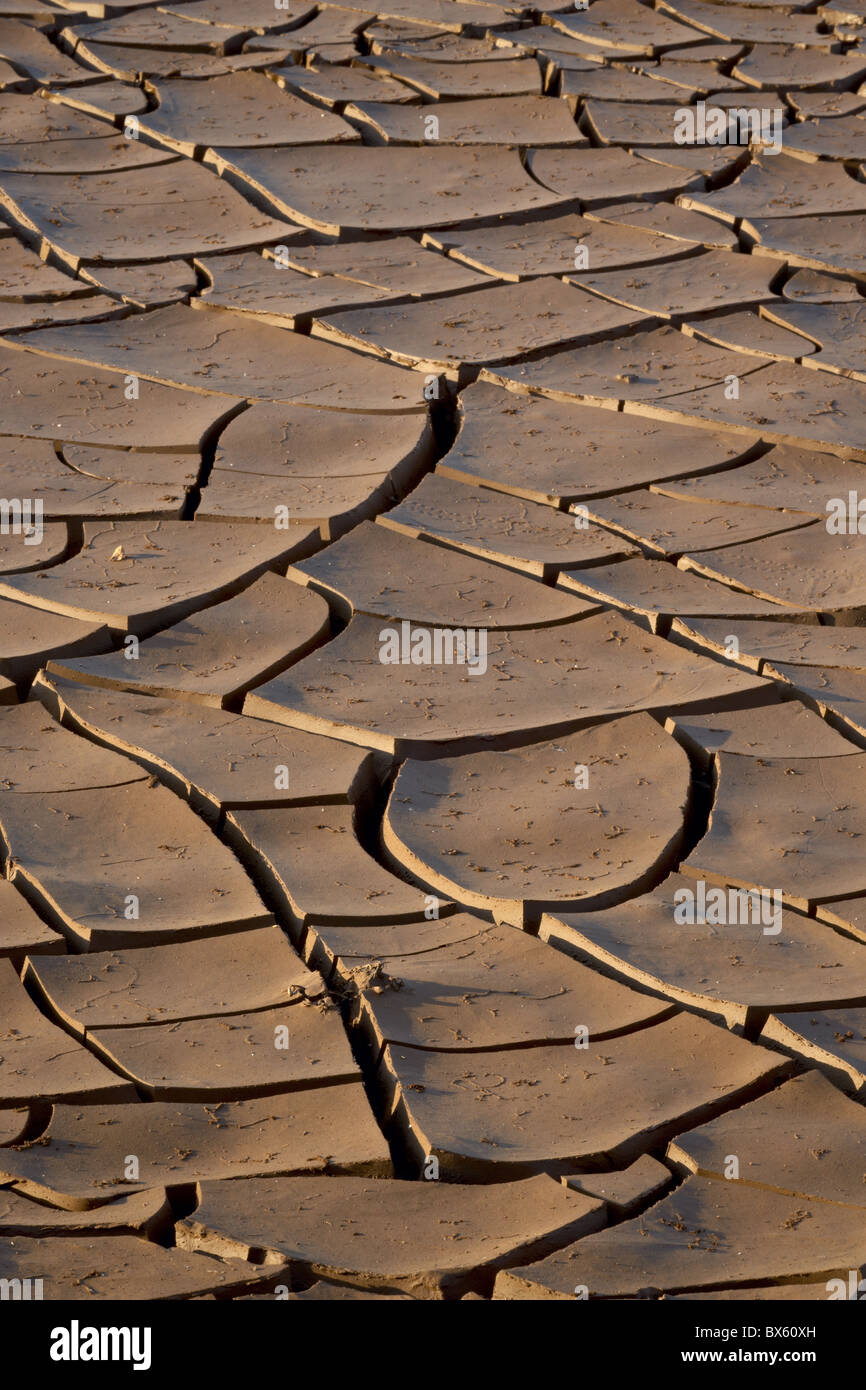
(432, 650)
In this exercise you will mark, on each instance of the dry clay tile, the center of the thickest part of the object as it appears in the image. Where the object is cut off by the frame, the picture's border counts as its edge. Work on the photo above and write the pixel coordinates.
(544, 38)
(807, 569)
(44, 397)
(19, 318)
(783, 65)
(39, 756)
(106, 99)
(445, 15)
(813, 287)
(608, 84)
(242, 109)
(510, 1113)
(271, 293)
(356, 1231)
(805, 1139)
(808, 104)
(82, 1161)
(712, 163)
(13, 1126)
(837, 137)
(114, 1267)
(748, 23)
(445, 81)
(341, 950)
(834, 1040)
(508, 120)
(790, 825)
(755, 643)
(646, 366)
(319, 508)
(744, 330)
(499, 989)
(22, 932)
(616, 24)
(670, 525)
(386, 574)
(713, 280)
(144, 1213)
(292, 443)
(624, 1189)
(701, 67)
(632, 123)
(508, 530)
(43, 1062)
(258, 15)
(345, 20)
(537, 683)
(214, 657)
(397, 264)
(706, 1234)
(233, 1056)
(667, 220)
(155, 467)
(551, 451)
(786, 730)
(67, 494)
(45, 137)
(319, 465)
(796, 480)
(413, 41)
(556, 59)
(334, 86)
(392, 34)
(229, 354)
(837, 328)
(124, 866)
(784, 402)
(657, 591)
(461, 333)
(137, 577)
(594, 177)
(31, 546)
(147, 286)
(313, 863)
(519, 250)
(33, 53)
(24, 276)
(160, 29)
(232, 974)
(820, 243)
(128, 63)
(840, 696)
(732, 969)
(11, 80)
(776, 185)
(162, 210)
(336, 191)
(584, 821)
(216, 760)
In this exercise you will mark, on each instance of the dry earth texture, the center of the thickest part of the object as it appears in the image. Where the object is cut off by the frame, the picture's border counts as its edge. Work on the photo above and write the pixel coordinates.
(432, 649)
